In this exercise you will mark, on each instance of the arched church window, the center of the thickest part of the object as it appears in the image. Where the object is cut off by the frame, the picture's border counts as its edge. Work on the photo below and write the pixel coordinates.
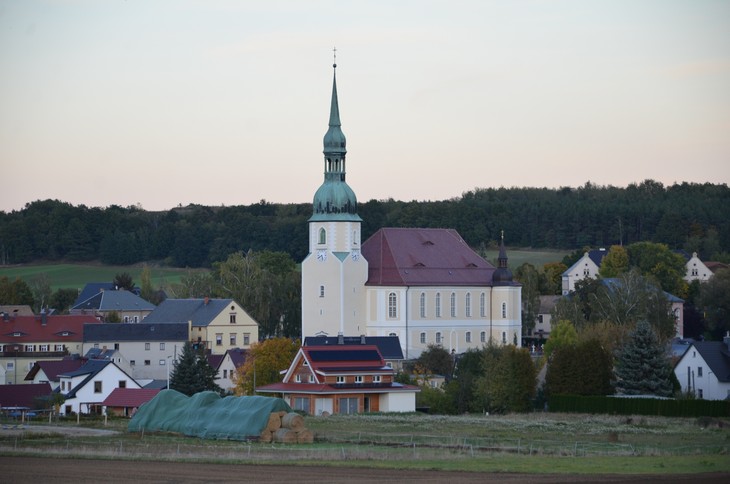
(422, 304)
(438, 304)
(467, 302)
(482, 305)
(322, 235)
(392, 305)
(453, 304)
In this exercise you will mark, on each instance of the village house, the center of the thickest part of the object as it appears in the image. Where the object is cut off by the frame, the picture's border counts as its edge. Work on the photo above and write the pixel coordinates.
(124, 402)
(48, 371)
(342, 379)
(704, 369)
(216, 325)
(24, 340)
(147, 348)
(86, 388)
(129, 307)
(226, 366)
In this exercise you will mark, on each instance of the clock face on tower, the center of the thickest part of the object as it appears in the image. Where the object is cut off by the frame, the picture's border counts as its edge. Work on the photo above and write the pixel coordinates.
(321, 255)
(355, 255)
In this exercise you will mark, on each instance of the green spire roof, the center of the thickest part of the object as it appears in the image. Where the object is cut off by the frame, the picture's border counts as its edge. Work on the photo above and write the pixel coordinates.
(334, 199)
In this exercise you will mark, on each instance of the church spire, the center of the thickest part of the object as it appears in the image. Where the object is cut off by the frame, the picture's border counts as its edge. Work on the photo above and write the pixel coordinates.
(502, 276)
(334, 199)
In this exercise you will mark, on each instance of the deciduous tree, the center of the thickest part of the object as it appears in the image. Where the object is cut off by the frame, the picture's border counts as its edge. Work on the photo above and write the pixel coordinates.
(264, 362)
(715, 300)
(615, 263)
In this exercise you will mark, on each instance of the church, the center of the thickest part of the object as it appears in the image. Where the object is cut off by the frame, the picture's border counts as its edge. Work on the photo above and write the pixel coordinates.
(423, 285)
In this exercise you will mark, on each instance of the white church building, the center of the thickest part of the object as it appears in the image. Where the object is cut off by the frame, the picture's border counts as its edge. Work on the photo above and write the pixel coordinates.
(423, 285)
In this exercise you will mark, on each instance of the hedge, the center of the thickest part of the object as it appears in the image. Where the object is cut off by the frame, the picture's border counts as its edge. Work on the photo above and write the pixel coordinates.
(639, 406)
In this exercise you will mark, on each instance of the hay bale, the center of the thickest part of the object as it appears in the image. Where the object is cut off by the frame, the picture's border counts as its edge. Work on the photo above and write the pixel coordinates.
(266, 436)
(285, 436)
(293, 421)
(274, 423)
(305, 436)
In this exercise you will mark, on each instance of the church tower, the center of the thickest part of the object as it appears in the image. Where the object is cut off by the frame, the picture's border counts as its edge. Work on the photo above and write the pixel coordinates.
(334, 273)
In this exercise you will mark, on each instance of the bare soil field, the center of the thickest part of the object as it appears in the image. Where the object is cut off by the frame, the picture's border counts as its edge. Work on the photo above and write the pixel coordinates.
(36, 469)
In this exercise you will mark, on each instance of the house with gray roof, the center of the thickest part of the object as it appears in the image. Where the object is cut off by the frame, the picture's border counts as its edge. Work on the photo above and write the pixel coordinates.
(146, 349)
(128, 306)
(587, 266)
(216, 325)
(704, 369)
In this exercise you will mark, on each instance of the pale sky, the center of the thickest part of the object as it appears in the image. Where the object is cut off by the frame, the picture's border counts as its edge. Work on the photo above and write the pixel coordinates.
(215, 102)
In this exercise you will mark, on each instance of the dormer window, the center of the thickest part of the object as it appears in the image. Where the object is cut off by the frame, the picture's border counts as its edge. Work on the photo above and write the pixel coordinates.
(358, 379)
(340, 379)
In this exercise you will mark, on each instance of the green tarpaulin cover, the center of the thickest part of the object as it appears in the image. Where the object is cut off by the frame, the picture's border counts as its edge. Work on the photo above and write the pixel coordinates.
(207, 415)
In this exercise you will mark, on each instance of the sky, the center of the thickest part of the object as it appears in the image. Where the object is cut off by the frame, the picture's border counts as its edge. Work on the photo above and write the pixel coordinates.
(215, 102)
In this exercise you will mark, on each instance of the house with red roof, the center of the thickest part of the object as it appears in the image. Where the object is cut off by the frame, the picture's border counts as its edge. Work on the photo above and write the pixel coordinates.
(86, 388)
(48, 371)
(124, 402)
(23, 397)
(342, 379)
(25, 340)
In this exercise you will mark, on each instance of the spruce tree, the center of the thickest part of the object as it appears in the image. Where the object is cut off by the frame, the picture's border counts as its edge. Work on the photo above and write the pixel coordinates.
(192, 373)
(642, 367)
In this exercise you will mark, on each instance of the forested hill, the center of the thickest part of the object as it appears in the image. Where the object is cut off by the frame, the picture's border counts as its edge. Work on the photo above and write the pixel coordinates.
(695, 217)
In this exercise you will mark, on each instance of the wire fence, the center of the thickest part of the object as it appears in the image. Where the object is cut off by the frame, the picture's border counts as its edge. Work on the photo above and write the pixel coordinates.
(332, 447)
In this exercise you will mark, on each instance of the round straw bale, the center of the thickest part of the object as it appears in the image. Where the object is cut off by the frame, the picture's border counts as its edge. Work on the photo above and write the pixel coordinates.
(285, 436)
(305, 436)
(292, 420)
(266, 436)
(274, 422)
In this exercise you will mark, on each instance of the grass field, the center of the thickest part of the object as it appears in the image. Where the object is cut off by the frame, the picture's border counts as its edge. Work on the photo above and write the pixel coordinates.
(517, 257)
(77, 275)
(530, 443)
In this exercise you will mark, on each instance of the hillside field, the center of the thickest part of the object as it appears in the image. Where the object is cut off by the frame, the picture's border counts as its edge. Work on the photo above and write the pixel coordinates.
(77, 275)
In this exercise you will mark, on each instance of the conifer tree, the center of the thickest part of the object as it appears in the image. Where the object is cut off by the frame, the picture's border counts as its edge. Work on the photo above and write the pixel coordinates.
(642, 367)
(192, 373)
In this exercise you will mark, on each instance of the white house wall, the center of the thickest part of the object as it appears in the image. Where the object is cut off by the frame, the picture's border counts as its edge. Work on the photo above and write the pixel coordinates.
(695, 375)
(110, 377)
(398, 402)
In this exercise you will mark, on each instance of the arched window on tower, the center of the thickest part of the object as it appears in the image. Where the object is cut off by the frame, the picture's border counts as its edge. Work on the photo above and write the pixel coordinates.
(423, 304)
(322, 236)
(504, 310)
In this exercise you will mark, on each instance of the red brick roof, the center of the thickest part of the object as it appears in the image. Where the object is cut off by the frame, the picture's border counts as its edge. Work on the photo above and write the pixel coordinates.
(57, 329)
(423, 257)
(130, 397)
(53, 368)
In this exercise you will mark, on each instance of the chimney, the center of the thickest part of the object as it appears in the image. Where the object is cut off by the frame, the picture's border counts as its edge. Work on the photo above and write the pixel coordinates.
(206, 300)
(340, 339)
(362, 339)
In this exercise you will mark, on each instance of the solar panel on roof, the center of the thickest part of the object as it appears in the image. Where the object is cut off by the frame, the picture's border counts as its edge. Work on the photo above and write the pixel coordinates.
(344, 355)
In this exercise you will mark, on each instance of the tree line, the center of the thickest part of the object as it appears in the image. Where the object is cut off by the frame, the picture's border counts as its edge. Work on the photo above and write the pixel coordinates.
(695, 217)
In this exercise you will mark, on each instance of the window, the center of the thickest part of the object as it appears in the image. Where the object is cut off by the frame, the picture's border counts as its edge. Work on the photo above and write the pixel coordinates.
(58, 348)
(311, 378)
(122, 384)
(482, 305)
(246, 338)
(10, 365)
(438, 304)
(423, 338)
(504, 337)
(422, 304)
(699, 393)
(219, 339)
(162, 346)
(468, 336)
(504, 310)
(161, 362)
(699, 371)
(96, 345)
(321, 291)
(147, 363)
(126, 319)
(232, 318)
(358, 379)
(132, 362)
(29, 347)
(483, 337)
(43, 348)
(232, 339)
(322, 236)
(348, 406)
(467, 304)
(298, 378)
(97, 387)
(136, 319)
(116, 346)
(539, 318)
(453, 304)
(147, 346)
(301, 403)
(392, 305)
(340, 379)
(377, 379)
(438, 337)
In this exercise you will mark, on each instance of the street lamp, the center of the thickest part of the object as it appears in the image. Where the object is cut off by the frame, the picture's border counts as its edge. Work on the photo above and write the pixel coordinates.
(169, 361)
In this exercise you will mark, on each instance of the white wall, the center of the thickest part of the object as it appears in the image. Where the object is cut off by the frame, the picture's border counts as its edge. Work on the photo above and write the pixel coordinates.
(398, 402)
